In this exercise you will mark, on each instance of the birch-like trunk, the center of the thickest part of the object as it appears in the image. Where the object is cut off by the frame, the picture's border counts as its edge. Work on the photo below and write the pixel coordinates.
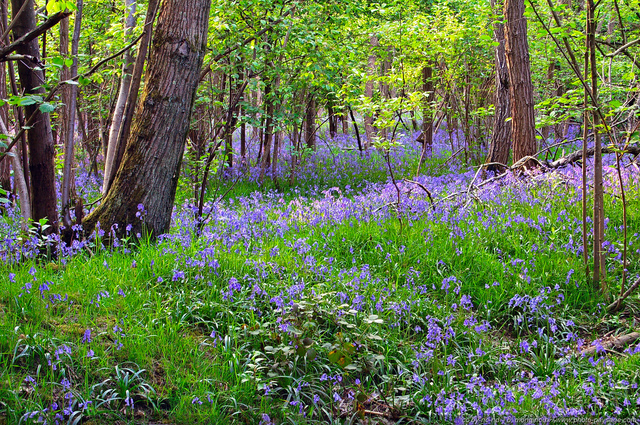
(123, 93)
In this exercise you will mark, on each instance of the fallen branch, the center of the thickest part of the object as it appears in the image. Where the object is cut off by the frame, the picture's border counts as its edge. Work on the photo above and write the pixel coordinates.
(577, 156)
(616, 343)
(615, 306)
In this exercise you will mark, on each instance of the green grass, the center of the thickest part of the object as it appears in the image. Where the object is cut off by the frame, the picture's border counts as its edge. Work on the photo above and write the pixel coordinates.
(154, 342)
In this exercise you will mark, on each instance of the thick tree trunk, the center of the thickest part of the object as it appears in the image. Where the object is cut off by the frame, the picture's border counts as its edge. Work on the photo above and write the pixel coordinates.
(148, 176)
(39, 136)
(123, 93)
(500, 144)
(520, 85)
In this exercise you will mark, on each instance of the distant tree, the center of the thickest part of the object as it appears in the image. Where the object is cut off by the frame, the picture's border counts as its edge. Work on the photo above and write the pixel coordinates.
(520, 85)
(148, 175)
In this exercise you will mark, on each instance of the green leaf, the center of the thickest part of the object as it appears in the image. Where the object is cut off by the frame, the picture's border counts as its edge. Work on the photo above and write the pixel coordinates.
(47, 108)
(26, 101)
(55, 6)
(615, 104)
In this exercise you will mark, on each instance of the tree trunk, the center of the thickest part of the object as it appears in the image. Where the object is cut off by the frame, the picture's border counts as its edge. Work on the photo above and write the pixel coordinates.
(520, 85)
(5, 166)
(369, 129)
(148, 176)
(310, 123)
(599, 269)
(333, 122)
(268, 131)
(65, 90)
(123, 93)
(68, 180)
(39, 136)
(500, 144)
(427, 116)
(116, 152)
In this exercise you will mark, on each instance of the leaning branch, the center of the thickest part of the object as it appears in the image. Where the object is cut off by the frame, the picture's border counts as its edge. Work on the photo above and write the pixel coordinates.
(32, 35)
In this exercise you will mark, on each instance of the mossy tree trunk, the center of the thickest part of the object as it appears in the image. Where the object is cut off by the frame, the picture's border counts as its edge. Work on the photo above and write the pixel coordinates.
(150, 167)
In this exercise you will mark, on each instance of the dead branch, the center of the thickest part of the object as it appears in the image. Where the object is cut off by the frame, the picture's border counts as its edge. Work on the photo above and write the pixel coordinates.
(616, 343)
(577, 156)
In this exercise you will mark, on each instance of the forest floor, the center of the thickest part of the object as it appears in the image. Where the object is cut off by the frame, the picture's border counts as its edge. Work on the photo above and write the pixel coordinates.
(347, 299)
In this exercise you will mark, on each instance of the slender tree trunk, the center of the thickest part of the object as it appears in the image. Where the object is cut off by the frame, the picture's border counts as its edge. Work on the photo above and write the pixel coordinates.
(369, 129)
(148, 176)
(123, 93)
(116, 153)
(500, 144)
(39, 136)
(333, 123)
(345, 120)
(277, 141)
(599, 269)
(385, 91)
(520, 85)
(268, 131)
(427, 116)
(66, 89)
(5, 166)
(68, 179)
(19, 181)
(310, 122)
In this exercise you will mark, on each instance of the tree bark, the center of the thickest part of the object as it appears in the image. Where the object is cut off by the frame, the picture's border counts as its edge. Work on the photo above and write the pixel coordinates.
(599, 269)
(68, 179)
(5, 166)
(520, 85)
(64, 76)
(310, 122)
(39, 136)
(148, 176)
(500, 144)
(115, 153)
(427, 116)
(123, 93)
